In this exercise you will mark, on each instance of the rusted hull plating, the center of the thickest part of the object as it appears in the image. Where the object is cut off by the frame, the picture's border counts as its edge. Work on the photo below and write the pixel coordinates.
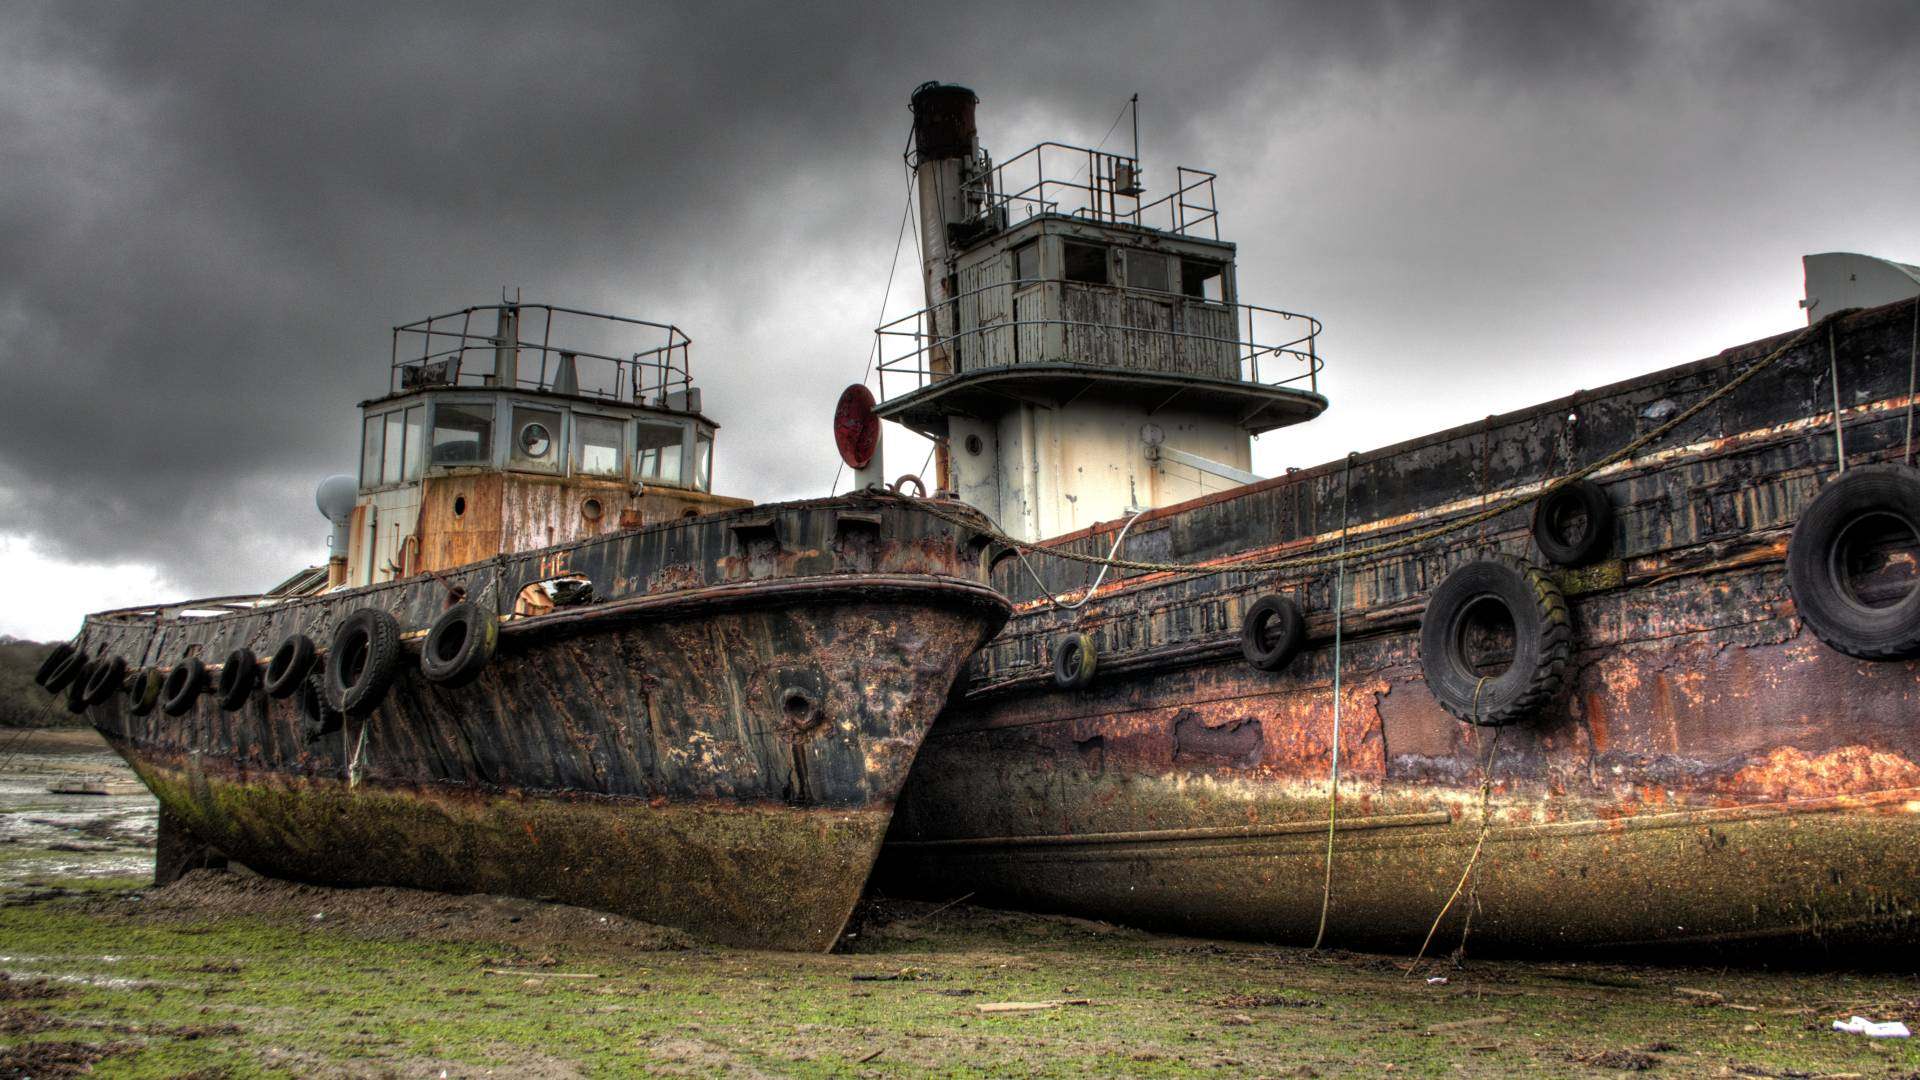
(720, 757)
(1716, 773)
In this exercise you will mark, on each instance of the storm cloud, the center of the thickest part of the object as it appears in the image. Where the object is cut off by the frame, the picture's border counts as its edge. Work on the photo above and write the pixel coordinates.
(210, 218)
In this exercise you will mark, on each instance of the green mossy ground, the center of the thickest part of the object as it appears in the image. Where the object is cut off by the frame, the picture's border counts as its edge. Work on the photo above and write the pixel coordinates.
(233, 976)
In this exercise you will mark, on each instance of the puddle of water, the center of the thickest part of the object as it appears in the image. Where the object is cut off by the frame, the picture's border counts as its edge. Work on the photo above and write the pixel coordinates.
(47, 835)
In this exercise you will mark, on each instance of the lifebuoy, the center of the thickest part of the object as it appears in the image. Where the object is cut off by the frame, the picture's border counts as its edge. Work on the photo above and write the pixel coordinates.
(1861, 521)
(290, 665)
(238, 672)
(1479, 600)
(362, 661)
(52, 663)
(104, 681)
(459, 645)
(1272, 632)
(1573, 523)
(1074, 661)
(183, 685)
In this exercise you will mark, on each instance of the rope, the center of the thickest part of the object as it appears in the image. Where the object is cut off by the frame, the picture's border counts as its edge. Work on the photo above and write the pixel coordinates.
(1833, 376)
(1306, 561)
(1333, 788)
(1486, 826)
(1913, 369)
(1060, 605)
(906, 212)
(353, 764)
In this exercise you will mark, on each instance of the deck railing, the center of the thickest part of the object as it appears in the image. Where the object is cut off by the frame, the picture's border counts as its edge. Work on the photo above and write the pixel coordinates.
(611, 356)
(1056, 178)
(1097, 326)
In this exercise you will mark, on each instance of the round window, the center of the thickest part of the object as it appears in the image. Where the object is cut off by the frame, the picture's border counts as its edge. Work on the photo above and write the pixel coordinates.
(535, 441)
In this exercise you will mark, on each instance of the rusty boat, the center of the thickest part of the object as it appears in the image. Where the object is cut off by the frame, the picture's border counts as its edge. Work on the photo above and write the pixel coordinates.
(546, 660)
(1634, 667)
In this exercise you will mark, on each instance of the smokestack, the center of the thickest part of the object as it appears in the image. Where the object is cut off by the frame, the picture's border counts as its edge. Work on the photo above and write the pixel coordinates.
(945, 149)
(506, 348)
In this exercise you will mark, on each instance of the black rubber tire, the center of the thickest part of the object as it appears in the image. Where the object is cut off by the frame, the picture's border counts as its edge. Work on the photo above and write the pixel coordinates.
(1276, 618)
(292, 662)
(317, 717)
(362, 661)
(1542, 641)
(143, 691)
(459, 645)
(1818, 582)
(52, 663)
(1583, 496)
(1074, 661)
(67, 671)
(238, 674)
(104, 681)
(77, 691)
(183, 685)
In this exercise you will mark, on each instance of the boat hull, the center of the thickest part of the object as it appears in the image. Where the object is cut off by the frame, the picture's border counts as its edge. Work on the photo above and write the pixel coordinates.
(1712, 773)
(721, 757)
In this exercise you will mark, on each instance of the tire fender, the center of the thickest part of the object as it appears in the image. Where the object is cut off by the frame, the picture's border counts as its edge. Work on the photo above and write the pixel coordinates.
(1542, 639)
(183, 685)
(1873, 496)
(292, 662)
(1581, 497)
(238, 674)
(1272, 633)
(459, 645)
(1074, 661)
(362, 661)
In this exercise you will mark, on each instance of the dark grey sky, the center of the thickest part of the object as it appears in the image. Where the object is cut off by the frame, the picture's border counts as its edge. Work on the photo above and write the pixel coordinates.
(210, 218)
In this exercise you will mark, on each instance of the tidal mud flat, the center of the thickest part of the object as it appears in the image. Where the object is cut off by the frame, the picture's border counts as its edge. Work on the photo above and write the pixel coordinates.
(231, 975)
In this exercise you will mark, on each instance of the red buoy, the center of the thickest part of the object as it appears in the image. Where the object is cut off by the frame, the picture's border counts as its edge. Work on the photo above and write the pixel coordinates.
(856, 429)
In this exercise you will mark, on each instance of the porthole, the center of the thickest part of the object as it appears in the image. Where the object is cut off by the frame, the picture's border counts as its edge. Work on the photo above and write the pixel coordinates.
(591, 510)
(535, 440)
(975, 445)
(459, 505)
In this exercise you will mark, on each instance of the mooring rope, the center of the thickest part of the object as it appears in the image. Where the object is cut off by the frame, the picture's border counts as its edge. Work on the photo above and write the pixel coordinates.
(1913, 370)
(1833, 376)
(1305, 560)
(1486, 826)
(1333, 787)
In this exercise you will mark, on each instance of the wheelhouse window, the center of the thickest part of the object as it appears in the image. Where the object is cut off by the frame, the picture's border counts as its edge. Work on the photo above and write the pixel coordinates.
(411, 457)
(597, 446)
(396, 438)
(1084, 262)
(390, 445)
(536, 439)
(462, 434)
(1203, 280)
(1026, 261)
(657, 451)
(703, 461)
(371, 440)
(1149, 270)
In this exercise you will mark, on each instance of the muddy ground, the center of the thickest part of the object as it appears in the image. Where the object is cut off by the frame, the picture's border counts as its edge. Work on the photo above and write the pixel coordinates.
(230, 975)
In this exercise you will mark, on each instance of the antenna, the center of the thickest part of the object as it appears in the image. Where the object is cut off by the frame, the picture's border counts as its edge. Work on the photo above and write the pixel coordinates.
(1135, 102)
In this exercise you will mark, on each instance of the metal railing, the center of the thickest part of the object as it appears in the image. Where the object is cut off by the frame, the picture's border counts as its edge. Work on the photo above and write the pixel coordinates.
(606, 356)
(1101, 187)
(1252, 344)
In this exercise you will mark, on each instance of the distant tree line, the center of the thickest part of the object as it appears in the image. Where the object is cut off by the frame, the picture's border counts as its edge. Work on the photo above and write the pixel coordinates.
(23, 704)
